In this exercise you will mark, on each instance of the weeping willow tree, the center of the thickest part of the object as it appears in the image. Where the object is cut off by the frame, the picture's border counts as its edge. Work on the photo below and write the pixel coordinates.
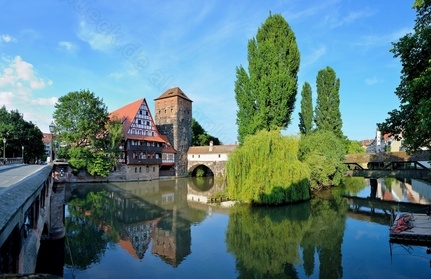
(266, 170)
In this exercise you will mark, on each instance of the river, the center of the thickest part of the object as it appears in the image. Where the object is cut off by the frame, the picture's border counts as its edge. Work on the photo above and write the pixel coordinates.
(165, 229)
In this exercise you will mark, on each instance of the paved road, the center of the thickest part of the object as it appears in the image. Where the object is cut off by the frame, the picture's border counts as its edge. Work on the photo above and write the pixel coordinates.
(11, 174)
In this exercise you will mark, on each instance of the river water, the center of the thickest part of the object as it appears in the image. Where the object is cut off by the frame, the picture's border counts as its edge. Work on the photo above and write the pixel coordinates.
(166, 229)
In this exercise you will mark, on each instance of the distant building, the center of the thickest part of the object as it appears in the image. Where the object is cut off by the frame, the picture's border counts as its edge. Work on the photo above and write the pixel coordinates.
(174, 120)
(151, 149)
(47, 142)
(383, 143)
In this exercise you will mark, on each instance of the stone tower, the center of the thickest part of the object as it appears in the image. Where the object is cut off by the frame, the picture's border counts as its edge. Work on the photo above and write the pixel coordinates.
(174, 119)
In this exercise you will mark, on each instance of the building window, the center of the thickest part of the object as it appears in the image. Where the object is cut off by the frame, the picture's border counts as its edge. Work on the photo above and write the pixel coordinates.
(139, 121)
(154, 169)
(152, 133)
(146, 113)
(148, 169)
(140, 169)
(219, 155)
(136, 169)
(148, 123)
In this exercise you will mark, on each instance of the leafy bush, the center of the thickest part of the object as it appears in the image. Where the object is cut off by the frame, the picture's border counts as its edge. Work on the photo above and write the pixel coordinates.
(99, 165)
(266, 170)
(323, 152)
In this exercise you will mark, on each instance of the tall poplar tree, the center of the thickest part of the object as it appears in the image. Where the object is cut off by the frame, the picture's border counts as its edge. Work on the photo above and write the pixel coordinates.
(306, 114)
(412, 119)
(266, 94)
(327, 112)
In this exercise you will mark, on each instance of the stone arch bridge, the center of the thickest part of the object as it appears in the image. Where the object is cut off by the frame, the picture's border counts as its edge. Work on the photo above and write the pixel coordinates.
(213, 158)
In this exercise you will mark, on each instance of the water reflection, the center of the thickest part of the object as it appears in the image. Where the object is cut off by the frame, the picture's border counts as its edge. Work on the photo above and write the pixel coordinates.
(171, 220)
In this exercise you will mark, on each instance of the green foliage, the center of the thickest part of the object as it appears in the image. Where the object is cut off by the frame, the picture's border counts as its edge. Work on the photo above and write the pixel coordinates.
(327, 112)
(200, 171)
(265, 240)
(414, 90)
(78, 158)
(200, 137)
(114, 137)
(323, 152)
(306, 114)
(266, 170)
(20, 133)
(354, 147)
(99, 165)
(80, 119)
(266, 94)
(85, 232)
(82, 122)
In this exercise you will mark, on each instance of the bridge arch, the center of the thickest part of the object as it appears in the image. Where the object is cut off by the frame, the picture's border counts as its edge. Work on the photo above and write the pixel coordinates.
(208, 169)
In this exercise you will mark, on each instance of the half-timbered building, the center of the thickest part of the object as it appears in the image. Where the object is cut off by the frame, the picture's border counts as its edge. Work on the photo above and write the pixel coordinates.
(144, 150)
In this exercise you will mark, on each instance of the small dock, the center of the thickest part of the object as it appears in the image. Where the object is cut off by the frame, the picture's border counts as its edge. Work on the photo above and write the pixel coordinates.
(217, 199)
(414, 228)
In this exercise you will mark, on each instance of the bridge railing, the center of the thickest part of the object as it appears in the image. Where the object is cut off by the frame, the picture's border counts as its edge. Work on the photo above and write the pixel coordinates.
(10, 161)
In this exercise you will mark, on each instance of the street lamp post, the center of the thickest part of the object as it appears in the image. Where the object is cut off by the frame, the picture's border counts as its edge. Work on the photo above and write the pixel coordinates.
(4, 149)
(22, 147)
(52, 130)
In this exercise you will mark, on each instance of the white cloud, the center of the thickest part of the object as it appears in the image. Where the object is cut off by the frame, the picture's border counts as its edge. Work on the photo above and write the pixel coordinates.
(6, 38)
(315, 55)
(45, 101)
(20, 75)
(379, 40)
(372, 80)
(6, 98)
(68, 46)
(97, 40)
(351, 17)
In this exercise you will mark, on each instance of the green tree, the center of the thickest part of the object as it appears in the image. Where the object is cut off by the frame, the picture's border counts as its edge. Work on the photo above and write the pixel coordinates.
(412, 119)
(266, 94)
(80, 119)
(327, 112)
(354, 147)
(18, 134)
(306, 114)
(82, 122)
(200, 137)
(114, 137)
(266, 170)
(323, 152)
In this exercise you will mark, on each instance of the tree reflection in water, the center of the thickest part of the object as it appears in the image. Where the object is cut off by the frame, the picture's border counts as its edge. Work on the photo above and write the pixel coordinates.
(266, 241)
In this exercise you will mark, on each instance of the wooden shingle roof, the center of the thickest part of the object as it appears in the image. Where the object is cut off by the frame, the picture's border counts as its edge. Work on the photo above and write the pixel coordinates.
(176, 91)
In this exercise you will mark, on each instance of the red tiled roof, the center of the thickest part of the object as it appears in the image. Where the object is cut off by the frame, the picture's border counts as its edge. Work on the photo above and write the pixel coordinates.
(46, 138)
(127, 114)
(176, 91)
(169, 148)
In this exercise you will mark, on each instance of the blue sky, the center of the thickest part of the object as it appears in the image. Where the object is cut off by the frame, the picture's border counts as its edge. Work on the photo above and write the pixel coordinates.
(137, 49)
